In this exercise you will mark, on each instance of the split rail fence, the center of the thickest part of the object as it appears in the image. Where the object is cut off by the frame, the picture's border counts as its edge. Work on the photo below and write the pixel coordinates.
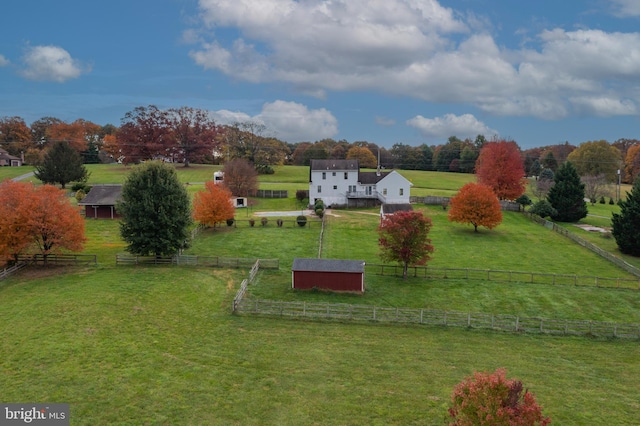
(366, 313)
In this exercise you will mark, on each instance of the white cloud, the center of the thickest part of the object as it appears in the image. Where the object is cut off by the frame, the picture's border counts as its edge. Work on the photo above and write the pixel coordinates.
(288, 121)
(462, 126)
(50, 63)
(421, 49)
(625, 8)
(385, 122)
(4, 61)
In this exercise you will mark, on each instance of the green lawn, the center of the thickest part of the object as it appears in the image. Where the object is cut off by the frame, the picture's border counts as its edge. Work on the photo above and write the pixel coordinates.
(158, 345)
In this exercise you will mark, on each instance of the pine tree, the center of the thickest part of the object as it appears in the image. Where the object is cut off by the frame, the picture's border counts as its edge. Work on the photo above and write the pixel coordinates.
(567, 195)
(62, 164)
(155, 211)
(626, 224)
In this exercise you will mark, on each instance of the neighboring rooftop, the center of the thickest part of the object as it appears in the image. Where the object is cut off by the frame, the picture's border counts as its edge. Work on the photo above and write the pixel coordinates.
(328, 265)
(102, 195)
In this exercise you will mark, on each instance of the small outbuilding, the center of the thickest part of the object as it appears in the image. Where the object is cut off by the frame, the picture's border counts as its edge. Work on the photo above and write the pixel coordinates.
(328, 274)
(100, 202)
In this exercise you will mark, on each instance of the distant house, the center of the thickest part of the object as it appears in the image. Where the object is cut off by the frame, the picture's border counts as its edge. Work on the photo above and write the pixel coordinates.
(341, 183)
(100, 202)
(328, 274)
(9, 160)
(218, 177)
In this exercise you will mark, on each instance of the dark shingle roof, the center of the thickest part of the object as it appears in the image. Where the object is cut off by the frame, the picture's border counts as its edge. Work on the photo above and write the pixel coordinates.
(102, 195)
(369, 178)
(328, 265)
(334, 165)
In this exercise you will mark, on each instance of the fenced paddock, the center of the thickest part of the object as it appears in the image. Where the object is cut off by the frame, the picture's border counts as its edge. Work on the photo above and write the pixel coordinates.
(272, 193)
(59, 259)
(429, 272)
(365, 313)
(210, 261)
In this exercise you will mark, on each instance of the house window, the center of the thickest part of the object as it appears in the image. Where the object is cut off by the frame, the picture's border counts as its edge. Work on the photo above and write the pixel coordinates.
(324, 175)
(333, 173)
(384, 192)
(346, 175)
(401, 191)
(319, 189)
(335, 187)
(352, 188)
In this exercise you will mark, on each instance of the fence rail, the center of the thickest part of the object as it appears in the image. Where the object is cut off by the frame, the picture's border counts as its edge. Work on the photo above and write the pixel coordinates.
(586, 244)
(366, 313)
(272, 193)
(7, 272)
(506, 276)
(444, 201)
(213, 261)
(245, 283)
(59, 259)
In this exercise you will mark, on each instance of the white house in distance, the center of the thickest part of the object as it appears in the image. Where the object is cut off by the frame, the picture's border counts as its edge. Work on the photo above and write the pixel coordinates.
(340, 183)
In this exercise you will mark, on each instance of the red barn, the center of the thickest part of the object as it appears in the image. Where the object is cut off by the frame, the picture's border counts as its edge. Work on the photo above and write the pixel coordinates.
(100, 202)
(328, 274)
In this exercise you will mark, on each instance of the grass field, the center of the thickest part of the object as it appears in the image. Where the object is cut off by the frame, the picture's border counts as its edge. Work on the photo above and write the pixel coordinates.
(158, 345)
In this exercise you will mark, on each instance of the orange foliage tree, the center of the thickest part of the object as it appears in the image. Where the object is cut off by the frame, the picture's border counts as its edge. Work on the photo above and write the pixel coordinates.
(363, 155)
(77, 134)
(500, 166)
(632, 164)
(212, 205)
(39, 217)
(492, 399)
(14, 215)
(476, 204)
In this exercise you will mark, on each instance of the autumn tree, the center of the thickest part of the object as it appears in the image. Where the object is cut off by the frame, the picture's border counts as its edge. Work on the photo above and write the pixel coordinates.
(632, 163)
(365, 158)
(40, 131)
(143, 135)
(596, 158)
(240, 177)
(192, 134)
(626, 224)
(403, 238)
(155, 211)
(500, 167)
(37, 217)
(213, 204)
(492, 399)
(62, 164)
(567, 195)
(14, 217)
(476, 204)
(15, 135)
(55, 224)
(448, 152)
(78, 134)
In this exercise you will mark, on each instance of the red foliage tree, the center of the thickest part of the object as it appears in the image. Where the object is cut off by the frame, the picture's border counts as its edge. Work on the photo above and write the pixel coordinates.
(476, 204)
(240, 177)
(212, 205)
(193, 134)
(143, 135)
(39, 217)
(500, 166)
(492, 399)
(403, 237)
(14, 215)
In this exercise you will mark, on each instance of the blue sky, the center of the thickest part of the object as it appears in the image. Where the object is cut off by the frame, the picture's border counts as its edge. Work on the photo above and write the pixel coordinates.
(385, 71)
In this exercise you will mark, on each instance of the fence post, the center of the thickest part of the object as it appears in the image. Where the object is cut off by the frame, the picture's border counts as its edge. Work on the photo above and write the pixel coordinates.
(469, 319)
(517, 323)
(421, 315)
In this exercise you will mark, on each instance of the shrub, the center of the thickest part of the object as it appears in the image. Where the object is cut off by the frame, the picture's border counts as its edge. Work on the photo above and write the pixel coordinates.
(319, 204)
(252, 222)
(543, 208)
(320, 212)
(302, 194)
(264, 221)
(230, 221)
(264, 169)
(279, 222)
(301, 220)
(80, 194)
(611, 201)
(602, 201)
(492, 399)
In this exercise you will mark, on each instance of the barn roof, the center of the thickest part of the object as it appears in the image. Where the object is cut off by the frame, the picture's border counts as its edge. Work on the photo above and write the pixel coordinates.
(335, 165)
(102, 195)
(328, 265)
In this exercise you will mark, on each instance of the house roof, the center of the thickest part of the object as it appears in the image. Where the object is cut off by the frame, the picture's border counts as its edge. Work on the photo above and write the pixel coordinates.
(335, 165)
(5, 154)
(394, 208)
(328, 265)
(102, 195)
(370, 178)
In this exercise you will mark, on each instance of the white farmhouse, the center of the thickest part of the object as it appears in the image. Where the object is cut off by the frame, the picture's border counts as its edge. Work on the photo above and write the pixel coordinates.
(340, 183)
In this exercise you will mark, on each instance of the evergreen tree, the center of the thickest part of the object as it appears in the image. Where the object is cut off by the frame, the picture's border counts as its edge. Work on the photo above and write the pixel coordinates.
(155, 211)
(626, 224)
(567, 195)
(62, 164)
